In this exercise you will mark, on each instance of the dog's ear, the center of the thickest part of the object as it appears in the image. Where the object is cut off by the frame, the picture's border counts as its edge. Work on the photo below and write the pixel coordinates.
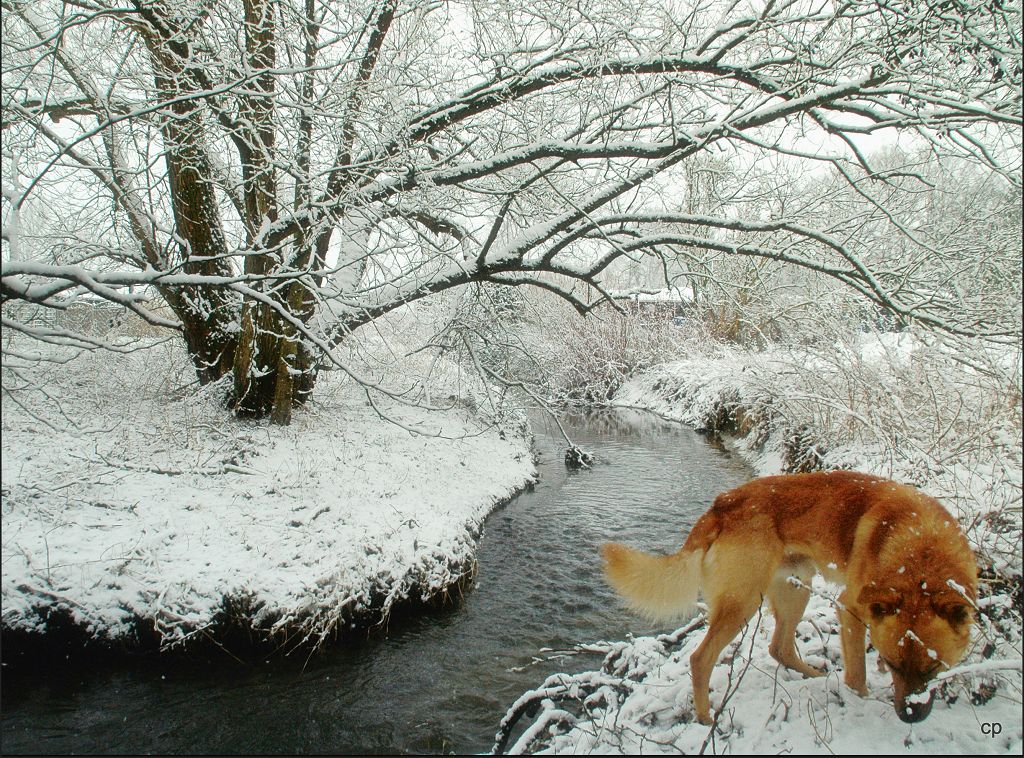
(880, 602)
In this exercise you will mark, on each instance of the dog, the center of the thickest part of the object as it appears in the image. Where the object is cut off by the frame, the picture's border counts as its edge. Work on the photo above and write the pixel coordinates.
(909, 575)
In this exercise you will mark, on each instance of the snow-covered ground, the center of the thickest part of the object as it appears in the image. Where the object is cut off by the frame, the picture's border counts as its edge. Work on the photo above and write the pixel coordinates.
(640, 703)
(887, 404)
(127, 497)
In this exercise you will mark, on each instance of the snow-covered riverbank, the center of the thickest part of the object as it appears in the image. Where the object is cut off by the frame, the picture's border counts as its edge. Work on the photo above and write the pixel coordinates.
(127, 502)
(886, 404)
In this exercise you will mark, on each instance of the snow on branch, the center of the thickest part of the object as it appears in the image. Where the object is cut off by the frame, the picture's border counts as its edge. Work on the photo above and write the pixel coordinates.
(281, 185)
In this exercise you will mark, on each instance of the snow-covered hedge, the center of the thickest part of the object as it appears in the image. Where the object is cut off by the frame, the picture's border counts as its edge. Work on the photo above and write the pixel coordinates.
(946, 418)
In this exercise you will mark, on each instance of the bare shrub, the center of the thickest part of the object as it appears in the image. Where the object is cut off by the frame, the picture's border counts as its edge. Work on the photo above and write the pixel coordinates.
(587, 359)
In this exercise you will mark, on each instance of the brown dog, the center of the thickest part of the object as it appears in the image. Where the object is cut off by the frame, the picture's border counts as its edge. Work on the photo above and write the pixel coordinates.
(910, 576)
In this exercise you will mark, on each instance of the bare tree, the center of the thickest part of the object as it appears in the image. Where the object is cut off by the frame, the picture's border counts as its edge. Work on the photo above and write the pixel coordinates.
(951, 230)
(284, 171)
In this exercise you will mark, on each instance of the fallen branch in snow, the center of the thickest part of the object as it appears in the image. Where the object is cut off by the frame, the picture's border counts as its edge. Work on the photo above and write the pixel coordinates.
(981, 667)
(557, 687)
(168, 471)
(52, 597)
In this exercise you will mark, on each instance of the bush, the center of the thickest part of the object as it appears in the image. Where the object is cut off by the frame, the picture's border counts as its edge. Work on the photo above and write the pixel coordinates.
(586, 359)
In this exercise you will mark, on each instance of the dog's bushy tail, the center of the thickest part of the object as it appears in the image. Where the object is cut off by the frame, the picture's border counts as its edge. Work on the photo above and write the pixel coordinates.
(659, 587)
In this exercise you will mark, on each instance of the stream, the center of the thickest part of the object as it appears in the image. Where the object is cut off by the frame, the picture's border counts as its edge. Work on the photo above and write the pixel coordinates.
(438, 682)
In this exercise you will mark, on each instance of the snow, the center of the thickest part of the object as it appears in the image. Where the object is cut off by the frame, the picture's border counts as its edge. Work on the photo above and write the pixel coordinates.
(640, 700)
(889, 404)
(640, 705)
(668, 295)
(128, 494)
(126, 499)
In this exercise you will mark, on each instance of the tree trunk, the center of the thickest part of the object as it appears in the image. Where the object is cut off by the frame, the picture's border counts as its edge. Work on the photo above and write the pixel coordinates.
(274, 369)
(268, 362)
(208, 312)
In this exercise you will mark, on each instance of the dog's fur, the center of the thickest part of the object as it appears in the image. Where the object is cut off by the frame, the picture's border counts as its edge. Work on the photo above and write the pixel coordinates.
(910, 576)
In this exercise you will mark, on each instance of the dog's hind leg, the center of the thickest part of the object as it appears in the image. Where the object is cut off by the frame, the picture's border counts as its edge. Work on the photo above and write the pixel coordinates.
(788, 594)
(733, 588)
(726, 621)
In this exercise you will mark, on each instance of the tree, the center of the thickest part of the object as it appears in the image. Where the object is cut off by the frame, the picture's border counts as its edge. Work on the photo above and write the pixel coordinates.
(950, 230)
(285, 171)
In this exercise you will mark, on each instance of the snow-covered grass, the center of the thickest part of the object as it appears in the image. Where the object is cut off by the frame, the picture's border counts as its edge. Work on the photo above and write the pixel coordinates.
(945, 418)
(130, 497)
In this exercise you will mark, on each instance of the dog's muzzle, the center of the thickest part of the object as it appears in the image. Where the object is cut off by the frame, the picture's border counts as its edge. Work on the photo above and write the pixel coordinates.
(911, 711)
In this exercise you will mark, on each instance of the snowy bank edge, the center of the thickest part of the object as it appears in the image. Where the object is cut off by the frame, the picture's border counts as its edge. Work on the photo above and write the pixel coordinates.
(395, 542)
(243, 624)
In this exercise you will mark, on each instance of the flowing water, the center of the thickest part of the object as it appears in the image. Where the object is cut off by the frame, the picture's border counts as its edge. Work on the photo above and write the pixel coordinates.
(437, 682)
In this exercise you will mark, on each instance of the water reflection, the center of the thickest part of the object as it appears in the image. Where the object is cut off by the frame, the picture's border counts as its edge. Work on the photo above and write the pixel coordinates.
(440, 682)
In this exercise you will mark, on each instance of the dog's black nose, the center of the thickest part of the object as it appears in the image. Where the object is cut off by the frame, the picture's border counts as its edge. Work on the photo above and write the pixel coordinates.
(911, 713)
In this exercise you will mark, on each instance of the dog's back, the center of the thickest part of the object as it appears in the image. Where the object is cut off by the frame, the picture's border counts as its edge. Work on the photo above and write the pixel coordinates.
(815, 515)
(752, 530)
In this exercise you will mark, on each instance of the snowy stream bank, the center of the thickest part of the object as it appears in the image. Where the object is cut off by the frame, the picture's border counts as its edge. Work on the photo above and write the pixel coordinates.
(140, 518)
(437, 682)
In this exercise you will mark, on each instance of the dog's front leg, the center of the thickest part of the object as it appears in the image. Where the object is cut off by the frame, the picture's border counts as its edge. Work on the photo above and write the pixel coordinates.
(852, 634)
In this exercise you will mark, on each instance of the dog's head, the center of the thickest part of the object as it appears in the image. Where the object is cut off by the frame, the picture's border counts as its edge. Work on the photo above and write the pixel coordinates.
(918, 631)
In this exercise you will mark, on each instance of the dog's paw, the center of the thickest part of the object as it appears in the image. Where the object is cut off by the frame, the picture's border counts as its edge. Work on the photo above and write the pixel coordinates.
(861, 690)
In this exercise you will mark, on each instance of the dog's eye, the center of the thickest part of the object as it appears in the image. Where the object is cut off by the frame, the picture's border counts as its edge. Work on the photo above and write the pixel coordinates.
(880, 610)
(956, 615)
